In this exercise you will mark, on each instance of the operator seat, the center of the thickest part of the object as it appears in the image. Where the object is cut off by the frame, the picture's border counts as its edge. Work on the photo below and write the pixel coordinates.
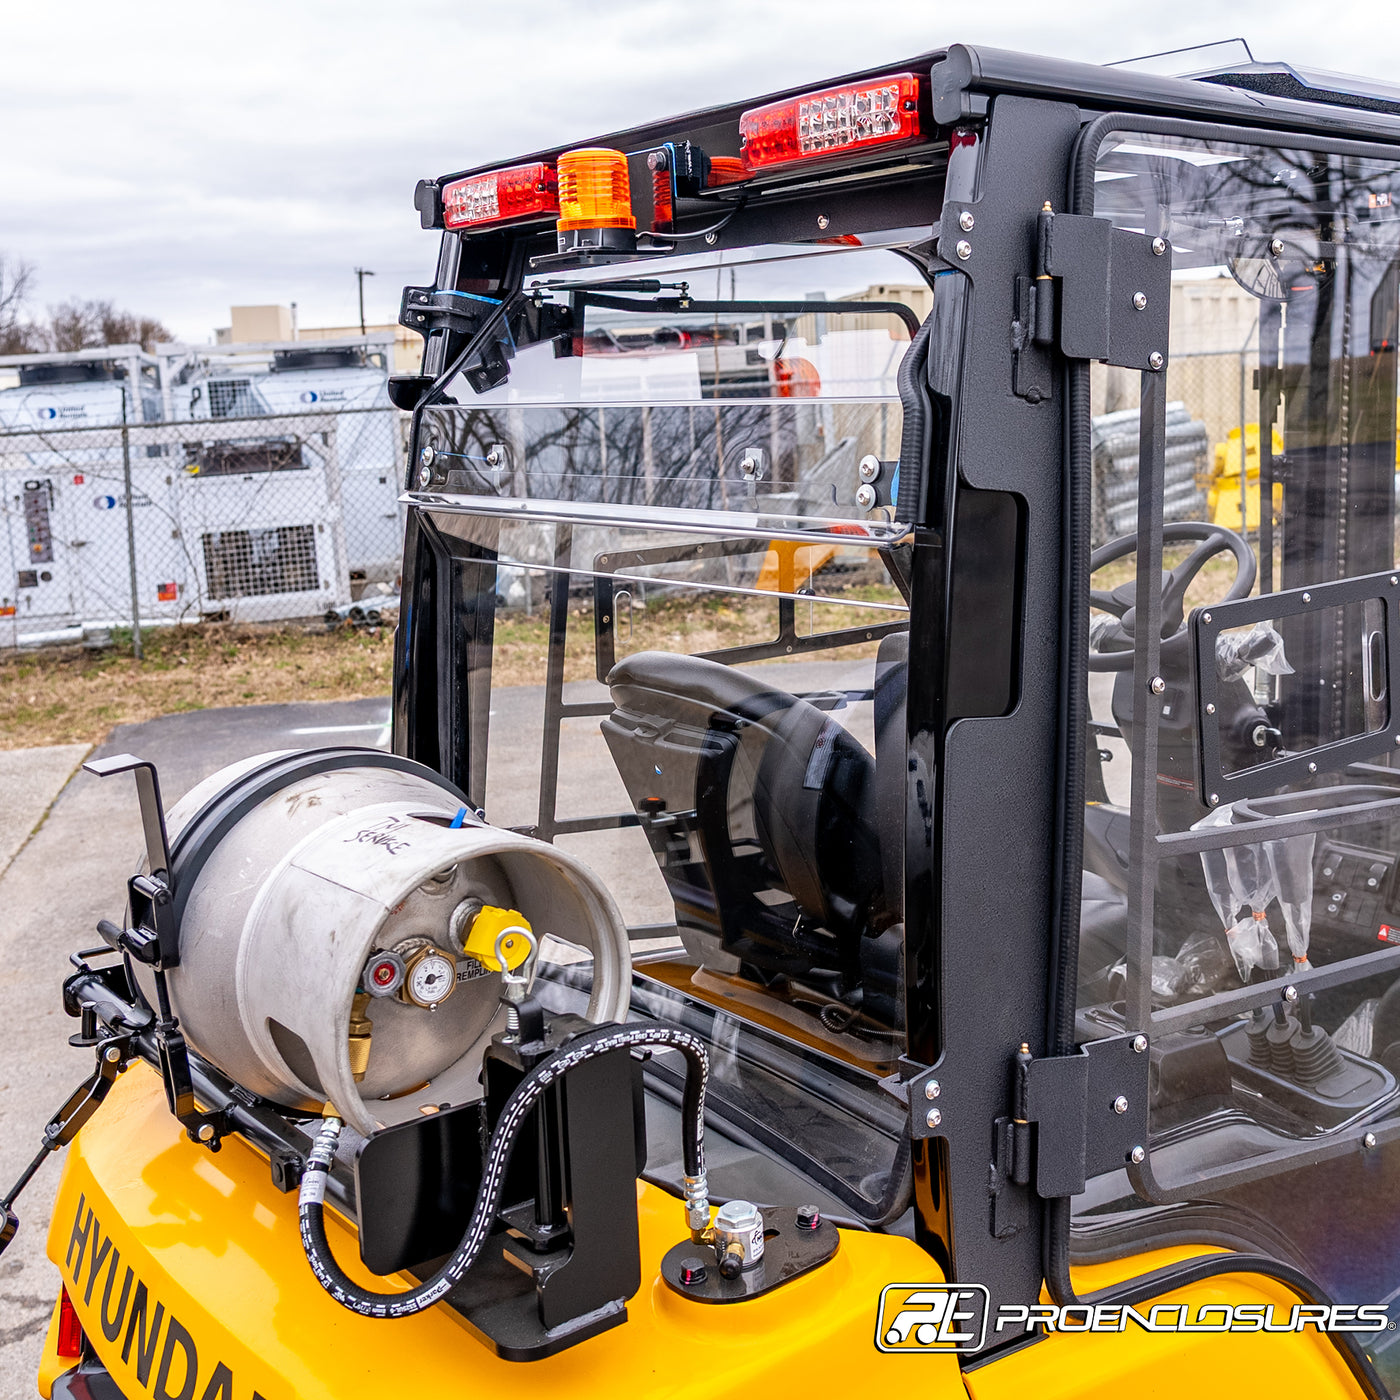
(764, 815)
(780, 838)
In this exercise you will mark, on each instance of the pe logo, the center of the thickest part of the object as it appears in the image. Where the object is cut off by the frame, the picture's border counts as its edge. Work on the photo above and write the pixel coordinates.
(921, 1317)
(48, 413)
(310, 396)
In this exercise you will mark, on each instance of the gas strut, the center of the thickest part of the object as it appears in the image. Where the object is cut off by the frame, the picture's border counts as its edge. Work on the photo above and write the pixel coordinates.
(514, 1114)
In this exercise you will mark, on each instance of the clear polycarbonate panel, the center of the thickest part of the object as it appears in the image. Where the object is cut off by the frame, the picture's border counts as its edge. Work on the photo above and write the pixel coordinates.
(1242, 895)
(715, 725)
(759, 393)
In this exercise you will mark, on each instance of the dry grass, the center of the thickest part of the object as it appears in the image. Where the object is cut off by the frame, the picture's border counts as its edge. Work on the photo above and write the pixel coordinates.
(72, 695)
(75, 695)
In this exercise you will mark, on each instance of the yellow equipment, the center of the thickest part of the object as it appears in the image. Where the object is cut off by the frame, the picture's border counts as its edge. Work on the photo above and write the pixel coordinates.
(1223, 485)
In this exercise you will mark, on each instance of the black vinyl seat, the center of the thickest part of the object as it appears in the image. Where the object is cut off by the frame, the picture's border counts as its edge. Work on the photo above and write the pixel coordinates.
(780, 837)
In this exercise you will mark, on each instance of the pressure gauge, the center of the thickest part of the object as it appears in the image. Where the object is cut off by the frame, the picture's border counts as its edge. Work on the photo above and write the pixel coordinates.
(432, 974)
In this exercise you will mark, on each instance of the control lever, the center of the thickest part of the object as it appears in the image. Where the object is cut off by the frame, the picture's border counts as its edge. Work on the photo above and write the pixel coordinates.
(63, 1127)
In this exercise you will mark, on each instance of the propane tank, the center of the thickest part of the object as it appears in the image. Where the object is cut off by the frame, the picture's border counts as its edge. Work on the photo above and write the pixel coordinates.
(345, 932)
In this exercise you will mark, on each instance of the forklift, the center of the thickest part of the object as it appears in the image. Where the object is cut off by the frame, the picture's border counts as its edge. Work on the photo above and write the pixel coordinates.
(856, 918)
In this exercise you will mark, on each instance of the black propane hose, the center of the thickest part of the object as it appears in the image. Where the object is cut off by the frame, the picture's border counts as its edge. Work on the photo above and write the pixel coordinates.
(655, 1036)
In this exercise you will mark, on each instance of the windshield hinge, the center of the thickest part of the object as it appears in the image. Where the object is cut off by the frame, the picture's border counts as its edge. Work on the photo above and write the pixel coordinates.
(1073, 1116)
(1100, 292)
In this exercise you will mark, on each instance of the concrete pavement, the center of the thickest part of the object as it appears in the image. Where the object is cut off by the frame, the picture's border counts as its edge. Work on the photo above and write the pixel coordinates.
(71, 872)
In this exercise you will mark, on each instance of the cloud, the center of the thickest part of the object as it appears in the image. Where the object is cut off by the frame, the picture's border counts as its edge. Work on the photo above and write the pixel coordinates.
(180, 159)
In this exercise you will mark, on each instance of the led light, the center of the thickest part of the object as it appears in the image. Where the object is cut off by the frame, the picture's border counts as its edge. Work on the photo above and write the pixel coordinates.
(831, 122)
(518, 195)
(594, 191)
(727, 170)
(70, 1330)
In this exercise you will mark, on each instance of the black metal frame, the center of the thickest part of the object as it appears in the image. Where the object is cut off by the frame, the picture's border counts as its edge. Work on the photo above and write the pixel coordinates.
(986, 792)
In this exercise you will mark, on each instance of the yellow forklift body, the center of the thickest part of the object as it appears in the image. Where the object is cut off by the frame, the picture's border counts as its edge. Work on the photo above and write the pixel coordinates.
(174, 1216)
(215, 1257)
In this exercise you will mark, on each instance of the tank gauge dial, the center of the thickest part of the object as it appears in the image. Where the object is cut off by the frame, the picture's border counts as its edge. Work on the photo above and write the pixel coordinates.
(431, 977)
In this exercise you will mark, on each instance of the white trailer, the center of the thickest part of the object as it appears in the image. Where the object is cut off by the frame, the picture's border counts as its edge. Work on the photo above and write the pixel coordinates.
(347, 377)
(63, 527)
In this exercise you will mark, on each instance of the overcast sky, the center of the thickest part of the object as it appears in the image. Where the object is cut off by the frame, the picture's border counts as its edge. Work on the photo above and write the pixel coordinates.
(183, 158)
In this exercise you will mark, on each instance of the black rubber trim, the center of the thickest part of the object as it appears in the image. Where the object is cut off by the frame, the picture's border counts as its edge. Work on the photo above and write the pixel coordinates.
(917, 404)
(199, 837)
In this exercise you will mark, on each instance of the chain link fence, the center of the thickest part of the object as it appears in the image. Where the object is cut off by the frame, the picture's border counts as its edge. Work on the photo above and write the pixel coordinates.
(1213, 407)
(259, 519)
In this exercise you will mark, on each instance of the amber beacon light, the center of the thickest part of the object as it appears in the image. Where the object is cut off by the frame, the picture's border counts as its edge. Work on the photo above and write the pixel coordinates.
(595, 201)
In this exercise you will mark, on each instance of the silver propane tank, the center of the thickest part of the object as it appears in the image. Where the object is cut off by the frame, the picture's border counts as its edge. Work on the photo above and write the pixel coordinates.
(345, 931)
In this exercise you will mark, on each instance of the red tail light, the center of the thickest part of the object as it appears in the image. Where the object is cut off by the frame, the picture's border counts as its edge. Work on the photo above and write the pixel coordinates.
(517, 195)
(836, 120)
(70, 1330)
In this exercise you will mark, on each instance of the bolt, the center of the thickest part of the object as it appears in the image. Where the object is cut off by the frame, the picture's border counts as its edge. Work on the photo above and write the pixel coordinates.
(808, 1217)
(1210, 707)
(1214, 799)
(1139, 1044)
(869, 468)
(932, 1089)
(1312, 768)
(692, 1271)
(964, 249)
(1159, 246)
(656, 160)
(1205, 617)
(1156, 360)
(1138, 1156)
(425, 476)
(1157, 685)
(1276, 246)
(495, 457)
(822, 221)
(1120, 1104)
(1369, 1141)
(712, 239)
(934, 1118)
(966, 221)
(426, 456)
(1290, 994)
(1307, 597)
(206, 1132)
(1140, 300)
(112, 1055)
(866, 498)
(1394, 579)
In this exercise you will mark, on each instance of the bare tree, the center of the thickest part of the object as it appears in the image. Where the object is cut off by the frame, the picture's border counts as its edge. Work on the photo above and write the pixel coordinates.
(17, 333)
(82, 325)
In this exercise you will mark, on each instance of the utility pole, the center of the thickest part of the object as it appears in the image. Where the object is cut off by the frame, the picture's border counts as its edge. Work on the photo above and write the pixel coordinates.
(361, 273)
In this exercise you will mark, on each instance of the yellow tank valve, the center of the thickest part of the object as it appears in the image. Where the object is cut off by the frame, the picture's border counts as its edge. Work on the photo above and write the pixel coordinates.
(481, 935)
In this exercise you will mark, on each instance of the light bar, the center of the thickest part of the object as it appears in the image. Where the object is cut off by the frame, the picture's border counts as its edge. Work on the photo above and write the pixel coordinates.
(831, 122)
(516, 195)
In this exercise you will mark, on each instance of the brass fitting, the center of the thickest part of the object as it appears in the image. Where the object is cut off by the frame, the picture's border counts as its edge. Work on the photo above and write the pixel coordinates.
(361, 1029)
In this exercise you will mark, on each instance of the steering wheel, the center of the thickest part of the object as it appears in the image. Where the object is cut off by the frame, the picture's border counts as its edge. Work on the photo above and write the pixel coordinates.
(1214, 539)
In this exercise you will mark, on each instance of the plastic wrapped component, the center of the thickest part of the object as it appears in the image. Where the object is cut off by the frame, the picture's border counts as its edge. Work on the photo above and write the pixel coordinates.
(1260, 649)
(1245, 879)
